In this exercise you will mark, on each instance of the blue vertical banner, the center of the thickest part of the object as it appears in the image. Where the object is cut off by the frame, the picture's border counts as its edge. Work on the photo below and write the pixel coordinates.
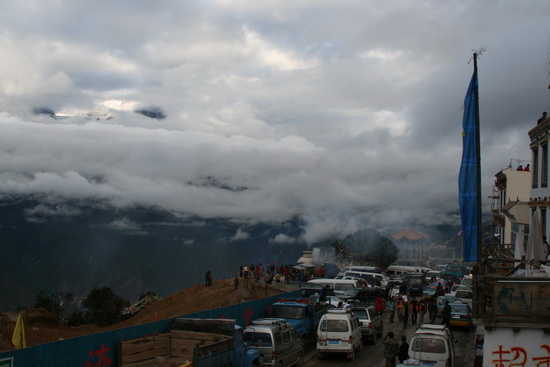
(468, 178)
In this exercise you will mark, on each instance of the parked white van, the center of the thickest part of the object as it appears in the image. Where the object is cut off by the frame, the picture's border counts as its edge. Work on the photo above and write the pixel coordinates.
(382, 279)
(433, 345)
(402, 269)
(338, 285)
(367, 269)
(339, 332)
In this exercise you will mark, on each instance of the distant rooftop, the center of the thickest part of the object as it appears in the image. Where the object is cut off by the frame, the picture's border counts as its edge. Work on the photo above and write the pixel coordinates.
(410, 234)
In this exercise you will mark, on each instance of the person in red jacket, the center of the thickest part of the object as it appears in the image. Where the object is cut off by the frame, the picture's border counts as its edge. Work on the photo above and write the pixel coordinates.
(380, 305)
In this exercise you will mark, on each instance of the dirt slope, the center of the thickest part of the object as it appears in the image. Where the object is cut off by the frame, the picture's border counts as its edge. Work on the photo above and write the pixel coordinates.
(40, 326)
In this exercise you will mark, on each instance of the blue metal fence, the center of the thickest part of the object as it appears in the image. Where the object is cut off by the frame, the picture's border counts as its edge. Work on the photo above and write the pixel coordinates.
(101, 349)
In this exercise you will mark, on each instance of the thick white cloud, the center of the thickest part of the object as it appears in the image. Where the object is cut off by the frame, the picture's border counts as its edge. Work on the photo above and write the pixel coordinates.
(345, 113)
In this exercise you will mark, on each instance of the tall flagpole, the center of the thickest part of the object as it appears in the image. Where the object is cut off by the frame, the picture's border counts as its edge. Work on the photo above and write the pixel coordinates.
(478, 168)
(480, 270)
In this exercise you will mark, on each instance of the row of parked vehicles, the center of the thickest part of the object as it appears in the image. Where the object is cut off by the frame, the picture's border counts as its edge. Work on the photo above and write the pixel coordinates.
(432, 344)
(280, 339)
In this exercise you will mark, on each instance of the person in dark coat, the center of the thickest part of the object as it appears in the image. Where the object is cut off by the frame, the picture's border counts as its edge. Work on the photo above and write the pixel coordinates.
(390, 349)
(403, 350)
(414, 311)
(406, 308)
(446, 314)
(432, 310)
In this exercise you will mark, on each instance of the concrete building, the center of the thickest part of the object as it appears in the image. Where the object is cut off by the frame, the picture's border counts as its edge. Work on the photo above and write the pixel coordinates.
(511, 302)
(540, 191)
(511, 212)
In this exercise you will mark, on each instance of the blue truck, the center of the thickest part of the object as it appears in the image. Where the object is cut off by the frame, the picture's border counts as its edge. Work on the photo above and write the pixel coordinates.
(202, 342)
(302, 313)
(458, 270)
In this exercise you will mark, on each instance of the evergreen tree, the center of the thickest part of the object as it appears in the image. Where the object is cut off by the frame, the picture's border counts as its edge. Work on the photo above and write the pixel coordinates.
(103, 306)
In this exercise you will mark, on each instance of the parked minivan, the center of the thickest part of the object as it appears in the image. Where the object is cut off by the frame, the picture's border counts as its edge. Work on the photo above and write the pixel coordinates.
(278, 342)
(339, 332)
(379, 279)
(366, 269)
(338, 285)
(371, 322)
(433, 345)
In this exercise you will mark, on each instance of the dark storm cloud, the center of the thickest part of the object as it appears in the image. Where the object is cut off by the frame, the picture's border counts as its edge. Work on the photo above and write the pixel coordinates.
(347, 114)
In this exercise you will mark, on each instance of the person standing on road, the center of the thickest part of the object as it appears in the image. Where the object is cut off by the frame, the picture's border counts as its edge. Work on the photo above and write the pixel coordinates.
(446, 314)
(236, 282)
(323, 294)
(432, 310)
(414, 311)
(406, 308)
(403, 349)
(399, 306)
(380, 305)
(208, 279)
(391, 349)
(422, 308)
(391, 307)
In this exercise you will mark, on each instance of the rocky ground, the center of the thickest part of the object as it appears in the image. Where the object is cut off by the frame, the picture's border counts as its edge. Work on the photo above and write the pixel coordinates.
(41, 327)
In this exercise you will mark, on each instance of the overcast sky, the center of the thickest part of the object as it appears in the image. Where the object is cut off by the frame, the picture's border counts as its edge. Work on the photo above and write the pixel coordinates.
(348, 113)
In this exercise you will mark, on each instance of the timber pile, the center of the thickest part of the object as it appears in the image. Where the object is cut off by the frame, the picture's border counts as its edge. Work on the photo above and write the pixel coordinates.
(174, 348)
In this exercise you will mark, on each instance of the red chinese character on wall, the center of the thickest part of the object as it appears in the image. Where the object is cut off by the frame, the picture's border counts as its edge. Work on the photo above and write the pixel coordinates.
(247, 317)
(543, 361)
(101, 353)
(520, 357)
(499, 361)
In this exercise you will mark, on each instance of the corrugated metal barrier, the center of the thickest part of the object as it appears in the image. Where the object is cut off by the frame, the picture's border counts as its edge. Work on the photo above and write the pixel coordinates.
(101, 349)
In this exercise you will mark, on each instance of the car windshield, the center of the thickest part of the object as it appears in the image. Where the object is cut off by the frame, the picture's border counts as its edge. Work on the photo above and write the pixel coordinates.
(463, 294)
(426, 344)
(287, 312)
(459, 308)
(257, 339)
(335, 326)
(361, 313)
(351, 292)
(467, 281)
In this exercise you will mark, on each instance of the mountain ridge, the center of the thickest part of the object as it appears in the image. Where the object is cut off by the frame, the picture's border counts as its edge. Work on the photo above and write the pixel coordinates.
(132, 251)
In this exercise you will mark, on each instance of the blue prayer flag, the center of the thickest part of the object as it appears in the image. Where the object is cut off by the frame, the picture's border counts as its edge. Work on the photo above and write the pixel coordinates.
(468, 177)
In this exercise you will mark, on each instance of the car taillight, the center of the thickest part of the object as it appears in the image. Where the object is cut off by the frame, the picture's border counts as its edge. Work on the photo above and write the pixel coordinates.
(370, 326)
(273, 355)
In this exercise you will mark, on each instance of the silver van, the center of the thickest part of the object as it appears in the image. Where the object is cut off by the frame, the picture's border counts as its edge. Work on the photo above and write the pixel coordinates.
(278, 342)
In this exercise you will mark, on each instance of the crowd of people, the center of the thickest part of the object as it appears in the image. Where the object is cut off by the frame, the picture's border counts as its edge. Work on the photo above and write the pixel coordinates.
(271, 272)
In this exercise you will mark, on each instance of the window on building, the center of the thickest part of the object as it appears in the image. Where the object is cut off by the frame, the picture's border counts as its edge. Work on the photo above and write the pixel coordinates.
(543, 220)
(544, 166)
(535, 169)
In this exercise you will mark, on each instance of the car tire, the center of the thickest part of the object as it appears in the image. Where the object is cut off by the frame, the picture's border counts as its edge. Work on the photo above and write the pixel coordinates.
(381, 332)
(374, 338)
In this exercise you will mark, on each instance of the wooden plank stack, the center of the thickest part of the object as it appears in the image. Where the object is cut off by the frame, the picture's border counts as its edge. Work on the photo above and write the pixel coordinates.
(175, 348)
